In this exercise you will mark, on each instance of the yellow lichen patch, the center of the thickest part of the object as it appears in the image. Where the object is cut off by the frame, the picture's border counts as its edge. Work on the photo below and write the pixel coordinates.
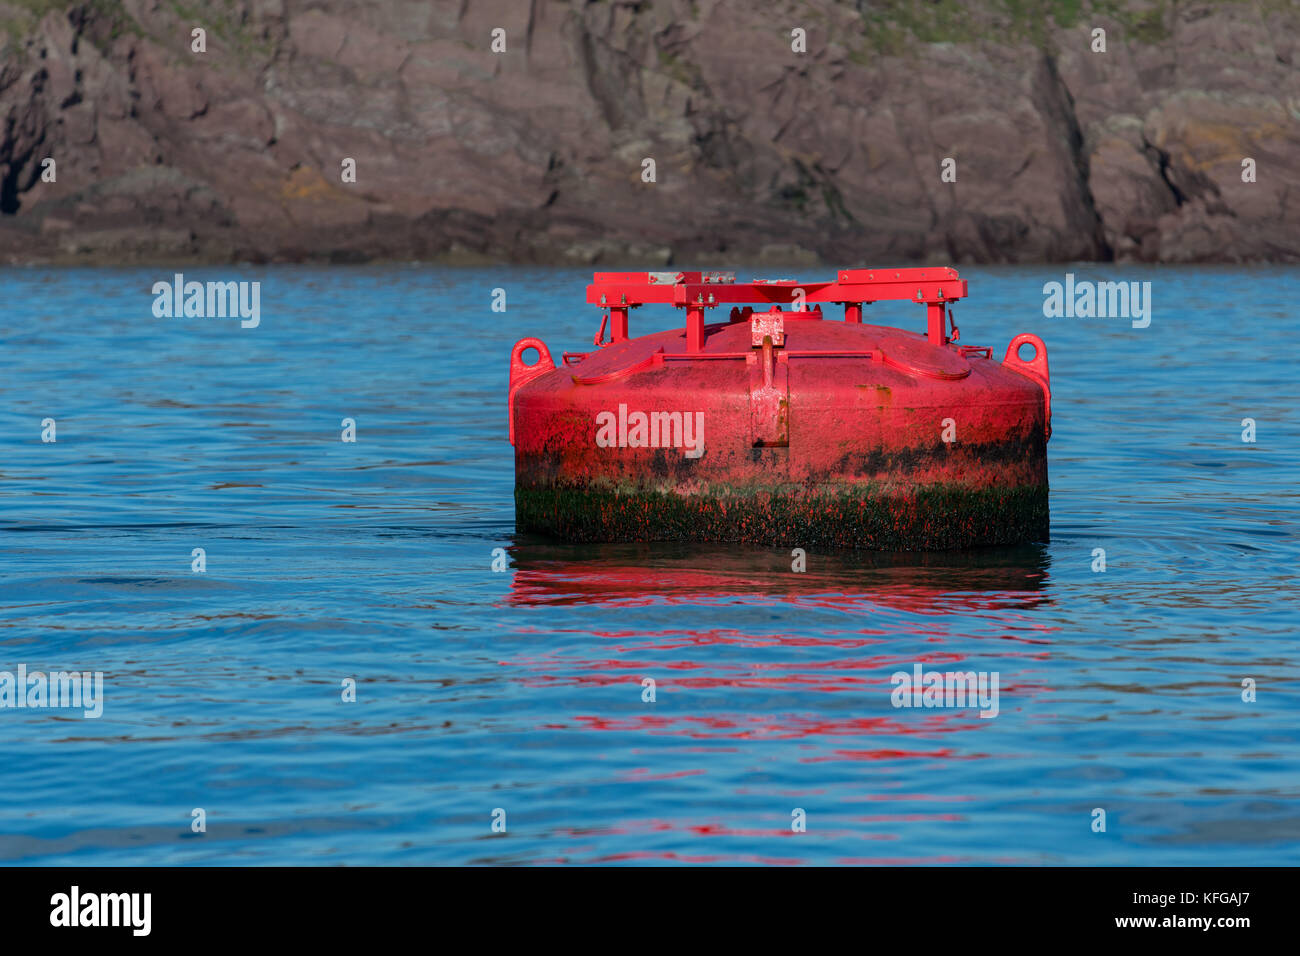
(1211, 144)
(306, 182)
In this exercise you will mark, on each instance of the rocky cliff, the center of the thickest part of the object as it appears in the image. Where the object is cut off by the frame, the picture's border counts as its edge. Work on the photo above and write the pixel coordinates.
(521, 130)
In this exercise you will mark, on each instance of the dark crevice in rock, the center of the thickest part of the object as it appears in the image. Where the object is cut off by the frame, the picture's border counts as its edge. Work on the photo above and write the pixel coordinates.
(1185, 185)
(533, 6)
(9, 190)
(18, 169)
(1160, 158)
(1179, 197)
(605, 72)
(1056, 103)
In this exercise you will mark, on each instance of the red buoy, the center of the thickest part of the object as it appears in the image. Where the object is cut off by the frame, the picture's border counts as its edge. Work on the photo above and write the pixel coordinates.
(779, 427)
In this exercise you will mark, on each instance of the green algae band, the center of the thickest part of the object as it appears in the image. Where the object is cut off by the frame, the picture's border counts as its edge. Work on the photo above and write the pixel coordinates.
(781, 427)
(933, 519)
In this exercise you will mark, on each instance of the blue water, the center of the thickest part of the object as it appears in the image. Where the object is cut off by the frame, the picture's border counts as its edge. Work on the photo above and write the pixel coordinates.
(521, 690)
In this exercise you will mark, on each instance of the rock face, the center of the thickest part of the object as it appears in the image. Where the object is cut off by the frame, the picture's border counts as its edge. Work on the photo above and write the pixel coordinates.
(540, 152)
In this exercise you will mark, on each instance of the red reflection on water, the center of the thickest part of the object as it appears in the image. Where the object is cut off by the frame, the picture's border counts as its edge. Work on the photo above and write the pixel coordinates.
(630, 855)
(934, 797)
(551, 573)
(793, 684)
(715, 829)
(715, 832)
(779, 727)
(890, 753)
(901, 860)
(645, 774)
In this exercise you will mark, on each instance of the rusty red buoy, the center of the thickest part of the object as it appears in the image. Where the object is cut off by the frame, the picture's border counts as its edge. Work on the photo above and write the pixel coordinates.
(779, 427)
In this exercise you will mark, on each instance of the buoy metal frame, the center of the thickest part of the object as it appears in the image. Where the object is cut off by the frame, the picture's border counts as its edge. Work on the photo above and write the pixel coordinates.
(619, 292)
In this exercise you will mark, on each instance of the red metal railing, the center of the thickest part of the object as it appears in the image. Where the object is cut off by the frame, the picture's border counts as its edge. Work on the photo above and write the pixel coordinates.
(934, 287)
